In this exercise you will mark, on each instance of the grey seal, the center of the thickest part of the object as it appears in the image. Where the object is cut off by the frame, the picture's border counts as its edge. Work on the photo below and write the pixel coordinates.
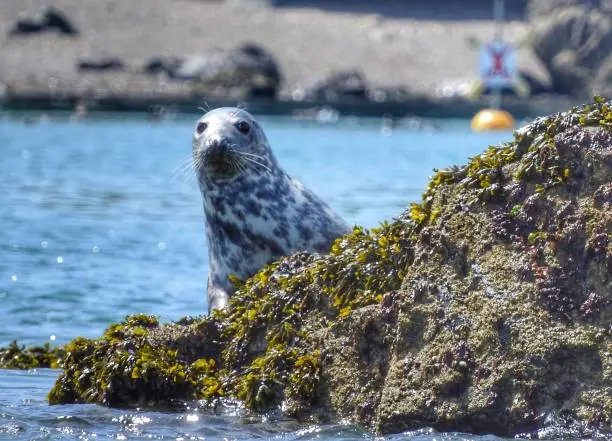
(254, 211)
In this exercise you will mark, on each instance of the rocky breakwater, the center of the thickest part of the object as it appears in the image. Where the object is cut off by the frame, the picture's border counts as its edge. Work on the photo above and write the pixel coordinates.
(103, 78)
(485, 308)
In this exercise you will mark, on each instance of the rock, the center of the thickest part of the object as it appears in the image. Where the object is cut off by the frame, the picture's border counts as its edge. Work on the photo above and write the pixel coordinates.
(52, 20)
(55, 19)
(102, 63)
(27, 26)
(543, 9)
(18, 357)
(569, 76)
(574, 39)
(486, 308)
(167, 65)
(249, 71)
(345, 85)
(602, 84)
(537, 84)
(390, 94)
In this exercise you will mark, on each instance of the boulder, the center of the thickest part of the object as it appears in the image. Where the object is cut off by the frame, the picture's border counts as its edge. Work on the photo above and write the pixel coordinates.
(485, 308)
(51, 20)
(572, 44)
(249, 71)
(58, 21)
(166, 65)
(352, 86)
(15, 356)
(390, 94)
(543, 9)
(338, 86)
(101, 63)
(569, 76)
(602, 84)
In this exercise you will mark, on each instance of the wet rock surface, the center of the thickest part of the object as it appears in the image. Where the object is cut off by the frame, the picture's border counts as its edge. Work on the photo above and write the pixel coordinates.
(485, 308)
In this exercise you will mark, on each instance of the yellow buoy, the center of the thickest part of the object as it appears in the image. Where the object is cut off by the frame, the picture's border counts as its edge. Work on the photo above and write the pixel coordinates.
(492, 119)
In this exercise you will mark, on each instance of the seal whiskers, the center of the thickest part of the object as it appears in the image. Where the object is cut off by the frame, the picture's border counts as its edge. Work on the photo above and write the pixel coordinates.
(185, 167)
(255, 162)
(254, 211)
(249, 154)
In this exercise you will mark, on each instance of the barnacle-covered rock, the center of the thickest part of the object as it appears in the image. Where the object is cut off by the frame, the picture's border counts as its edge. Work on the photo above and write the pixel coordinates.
(484, 308)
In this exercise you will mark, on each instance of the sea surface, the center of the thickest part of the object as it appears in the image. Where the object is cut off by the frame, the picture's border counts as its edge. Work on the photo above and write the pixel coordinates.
(101, 217)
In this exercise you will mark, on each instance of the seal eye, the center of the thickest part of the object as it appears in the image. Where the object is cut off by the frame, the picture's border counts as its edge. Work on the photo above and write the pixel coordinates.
(201, 127)
(244, 127)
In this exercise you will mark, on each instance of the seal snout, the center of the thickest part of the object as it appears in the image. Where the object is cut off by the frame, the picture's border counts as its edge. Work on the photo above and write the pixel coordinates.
(217, 150)
(217, 158)
(217, 146)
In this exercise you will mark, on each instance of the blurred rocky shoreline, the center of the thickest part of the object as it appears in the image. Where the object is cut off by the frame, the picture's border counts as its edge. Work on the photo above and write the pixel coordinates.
(295, 56)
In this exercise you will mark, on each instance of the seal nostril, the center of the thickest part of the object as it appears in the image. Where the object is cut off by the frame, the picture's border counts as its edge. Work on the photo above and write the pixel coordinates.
(219, 142)
(216, 149)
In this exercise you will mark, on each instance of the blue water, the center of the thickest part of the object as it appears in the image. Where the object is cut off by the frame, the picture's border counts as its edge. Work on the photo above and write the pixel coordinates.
(96, 223)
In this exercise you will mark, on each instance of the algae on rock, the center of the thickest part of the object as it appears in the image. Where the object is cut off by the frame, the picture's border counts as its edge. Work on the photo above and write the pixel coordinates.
(19, 357)
(487, 307)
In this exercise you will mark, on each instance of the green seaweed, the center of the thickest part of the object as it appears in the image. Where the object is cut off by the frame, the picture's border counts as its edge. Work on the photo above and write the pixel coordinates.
(19, 357)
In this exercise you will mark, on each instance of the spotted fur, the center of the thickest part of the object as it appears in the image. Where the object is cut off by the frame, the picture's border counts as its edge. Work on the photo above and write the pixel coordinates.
(255, 212)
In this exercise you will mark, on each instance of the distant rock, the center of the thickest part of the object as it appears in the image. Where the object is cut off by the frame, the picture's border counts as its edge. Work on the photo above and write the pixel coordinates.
(569, 76)
(101, 63)
(543, 9)
(249, 71)
(157, 65)
(602, 83)
(343, 85)
(537, 84)
(351, 85)
(57, 20)
(51, 20)
(573, 42)
(396, 94)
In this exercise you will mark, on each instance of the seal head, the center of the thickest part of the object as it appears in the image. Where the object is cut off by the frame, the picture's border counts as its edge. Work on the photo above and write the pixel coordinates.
(254, 211)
